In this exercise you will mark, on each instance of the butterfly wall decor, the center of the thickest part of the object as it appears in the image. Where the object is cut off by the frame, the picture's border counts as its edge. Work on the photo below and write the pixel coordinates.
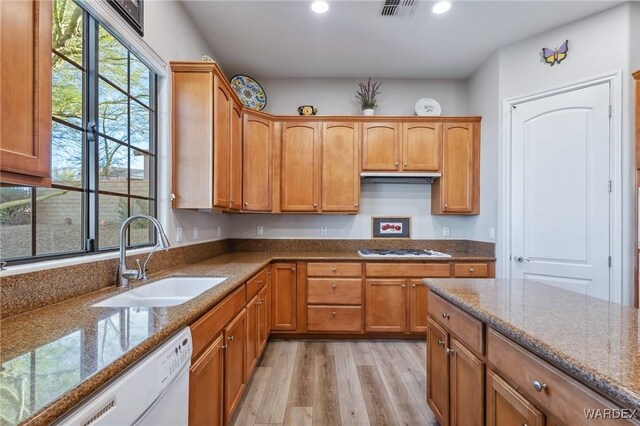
(552, 57)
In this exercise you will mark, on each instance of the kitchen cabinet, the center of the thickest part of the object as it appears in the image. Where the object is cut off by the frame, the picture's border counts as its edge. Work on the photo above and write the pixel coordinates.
(300, 169)
(257, 327)
(252, 334)
(380, 146)
(417, 307)
(264, 315)
(284, 300)
(340, 167)
(466, 386)
(421, 144)
(386, 305)
(457, 191)
(438, 371)
(505, 406)
(235, 371)
(206, 385)
(257, 180)
(207, 137)
(25, 108)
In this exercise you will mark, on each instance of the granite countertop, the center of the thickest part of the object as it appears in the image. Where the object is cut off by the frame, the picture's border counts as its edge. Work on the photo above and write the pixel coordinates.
(592, 340)
(54, 357)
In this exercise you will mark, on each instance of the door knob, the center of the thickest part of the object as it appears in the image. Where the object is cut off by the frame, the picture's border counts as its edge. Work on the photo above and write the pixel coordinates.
(520, 259)
(539, 387)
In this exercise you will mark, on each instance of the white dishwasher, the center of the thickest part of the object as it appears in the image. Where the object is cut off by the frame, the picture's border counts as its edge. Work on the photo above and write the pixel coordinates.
(155, 391)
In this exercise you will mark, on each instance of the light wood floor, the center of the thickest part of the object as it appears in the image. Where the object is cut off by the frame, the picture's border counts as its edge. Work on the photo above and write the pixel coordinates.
(330, 383)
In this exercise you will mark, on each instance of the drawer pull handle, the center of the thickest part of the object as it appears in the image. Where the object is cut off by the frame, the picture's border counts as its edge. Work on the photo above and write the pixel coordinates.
(404, 285)
(333, 313)
(440, 342)
(333, 269)
(539, 387)
(224, 346)
(333, 286)
(231, 338)
(449, 351)
(413, 285)
(446, 315)
(472, 270)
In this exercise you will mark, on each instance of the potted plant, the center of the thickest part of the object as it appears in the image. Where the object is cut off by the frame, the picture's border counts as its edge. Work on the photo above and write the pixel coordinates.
(367, 96)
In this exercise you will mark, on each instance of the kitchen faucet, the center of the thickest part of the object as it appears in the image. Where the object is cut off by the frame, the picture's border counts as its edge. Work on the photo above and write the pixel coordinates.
(124, 274)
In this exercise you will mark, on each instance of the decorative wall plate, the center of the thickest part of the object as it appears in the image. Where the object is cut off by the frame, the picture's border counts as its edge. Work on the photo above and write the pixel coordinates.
(428, 106)
(251, 94)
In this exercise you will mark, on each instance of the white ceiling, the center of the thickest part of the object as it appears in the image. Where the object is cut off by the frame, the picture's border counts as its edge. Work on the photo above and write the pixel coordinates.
(286, 39)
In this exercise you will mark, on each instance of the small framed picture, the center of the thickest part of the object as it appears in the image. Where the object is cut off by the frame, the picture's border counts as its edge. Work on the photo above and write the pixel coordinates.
(391, 227)
(132, 11)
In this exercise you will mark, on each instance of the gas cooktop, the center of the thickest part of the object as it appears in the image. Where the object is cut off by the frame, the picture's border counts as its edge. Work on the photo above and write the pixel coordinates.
(401, 253)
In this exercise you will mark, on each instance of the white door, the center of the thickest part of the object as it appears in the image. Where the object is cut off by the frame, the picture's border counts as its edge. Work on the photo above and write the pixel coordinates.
(560, 190)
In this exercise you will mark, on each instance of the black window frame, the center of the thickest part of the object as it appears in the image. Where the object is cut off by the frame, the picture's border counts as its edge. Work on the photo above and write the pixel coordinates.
(90, 188)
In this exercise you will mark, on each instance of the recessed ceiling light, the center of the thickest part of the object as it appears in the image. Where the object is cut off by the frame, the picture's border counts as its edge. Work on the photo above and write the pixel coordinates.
(319, 6)
(441, 7)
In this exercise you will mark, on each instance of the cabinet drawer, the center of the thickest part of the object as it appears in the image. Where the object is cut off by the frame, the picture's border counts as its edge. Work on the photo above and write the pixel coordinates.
(255, 283)
(334, 318)
(334, 269)
(416, 270)
(339, 291)
(563, 397)
(468, 329)
(206, 328)
(479, 270)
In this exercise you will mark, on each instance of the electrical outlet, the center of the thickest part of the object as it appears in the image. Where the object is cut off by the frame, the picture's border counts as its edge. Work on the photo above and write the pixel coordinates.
(323, 230)
(492, 233)
(445, 231)
(178, 234)
(219, 230)
(196, 234)
(259, 230)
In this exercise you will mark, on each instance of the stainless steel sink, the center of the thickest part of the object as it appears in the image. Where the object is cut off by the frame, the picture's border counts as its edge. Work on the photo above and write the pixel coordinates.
(166, 292)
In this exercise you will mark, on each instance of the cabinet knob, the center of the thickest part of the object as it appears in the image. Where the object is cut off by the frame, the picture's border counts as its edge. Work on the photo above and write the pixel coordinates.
(334, 269)
(440, 342)
(333, 313)
(259, 282)
(472, 270)
(246, 204)
(406, 164)
(293, 269)
(446, 206)
(413, 285)
(539, 387)
(397, 163)
(449, 351)
(355, 205)
(231, 338)
(404, 285)
(446, 315)
(315, 205)
(333, 286)
(224, 346)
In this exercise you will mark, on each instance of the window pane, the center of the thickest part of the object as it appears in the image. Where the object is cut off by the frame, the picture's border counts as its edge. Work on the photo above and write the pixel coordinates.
(68, 29)
(112, 59)
(139, 80)
(140, 228)
(66, 91)
(66, 155)
(58, 221)
(15, 222)
(141, 173)
(113, 211)
(112, 112)
(113, 160)
(140, 129)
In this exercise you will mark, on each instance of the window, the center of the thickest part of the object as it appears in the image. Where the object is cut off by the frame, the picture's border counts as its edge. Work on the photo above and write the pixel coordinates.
(103, 149)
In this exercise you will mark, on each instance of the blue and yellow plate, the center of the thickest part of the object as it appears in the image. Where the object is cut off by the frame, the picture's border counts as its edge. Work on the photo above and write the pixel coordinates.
(251, 94)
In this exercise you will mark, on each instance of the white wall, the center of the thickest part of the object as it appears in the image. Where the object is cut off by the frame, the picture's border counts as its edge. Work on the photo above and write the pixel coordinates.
(171, 33)
(336, 96)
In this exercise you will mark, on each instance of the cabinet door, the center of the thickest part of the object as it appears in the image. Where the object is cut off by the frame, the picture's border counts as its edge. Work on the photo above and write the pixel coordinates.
(283, 296)
(206, 379)
(257, 180)
(457, 191)
(221, 143)
(505, 406)
(25, 108)
(421, 147)
(253, 319)
(340, 167)
(268, 302)
(235, 158)
(300, 167)
(380, 146)
(386, 305)
(418, 307)
(235, 335)
(438, 371)
(263, 320)
(466, 386)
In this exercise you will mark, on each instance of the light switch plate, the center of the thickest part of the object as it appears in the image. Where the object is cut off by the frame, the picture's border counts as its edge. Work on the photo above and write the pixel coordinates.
(323, 230)
(259, 230)
(492, 233)
(178, 234)
(196, 233)
(445, 231)
(219, 230)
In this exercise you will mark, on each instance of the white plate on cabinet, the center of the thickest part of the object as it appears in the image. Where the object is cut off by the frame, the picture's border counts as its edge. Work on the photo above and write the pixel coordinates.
(427, 107)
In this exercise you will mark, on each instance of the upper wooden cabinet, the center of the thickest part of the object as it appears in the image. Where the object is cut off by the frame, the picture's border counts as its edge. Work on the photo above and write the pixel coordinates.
(25, 84)
(207, 138)
(458, 190)
(300, 171)
(257, 186)
(380, 146)
(340, 167)
(421, 146)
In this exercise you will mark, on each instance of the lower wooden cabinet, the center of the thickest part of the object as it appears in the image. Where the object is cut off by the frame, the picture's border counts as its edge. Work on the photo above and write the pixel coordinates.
(235, 362)
(206, 385)
(418, 307)
(386, 305)
(283, 296)
(264, 317)
(438, 371)
(505, 406)
(252, 334)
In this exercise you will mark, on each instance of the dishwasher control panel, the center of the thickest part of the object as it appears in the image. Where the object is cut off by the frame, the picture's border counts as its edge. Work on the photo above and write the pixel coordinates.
(174, 358)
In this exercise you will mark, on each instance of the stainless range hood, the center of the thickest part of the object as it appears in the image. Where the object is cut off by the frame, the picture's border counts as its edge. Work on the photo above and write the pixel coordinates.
(396, 177)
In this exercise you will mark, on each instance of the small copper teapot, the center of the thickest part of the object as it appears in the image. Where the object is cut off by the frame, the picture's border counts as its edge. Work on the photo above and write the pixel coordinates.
(307, 110)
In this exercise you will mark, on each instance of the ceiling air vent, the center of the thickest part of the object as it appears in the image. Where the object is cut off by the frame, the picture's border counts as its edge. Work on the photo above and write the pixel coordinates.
(399, 8)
